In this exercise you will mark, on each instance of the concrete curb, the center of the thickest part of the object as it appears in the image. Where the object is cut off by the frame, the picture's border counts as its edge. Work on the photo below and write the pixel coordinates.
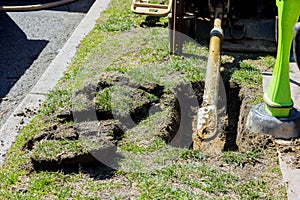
(291, 177)
(32, 102)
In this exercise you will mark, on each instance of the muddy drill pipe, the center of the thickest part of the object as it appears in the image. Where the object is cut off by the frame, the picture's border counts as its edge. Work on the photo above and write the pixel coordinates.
(206, 137)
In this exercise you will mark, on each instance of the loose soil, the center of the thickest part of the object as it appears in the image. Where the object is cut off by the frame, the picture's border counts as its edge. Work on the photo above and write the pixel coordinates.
(290, 151)
(102, 137)
(147, 99)
(117, 123)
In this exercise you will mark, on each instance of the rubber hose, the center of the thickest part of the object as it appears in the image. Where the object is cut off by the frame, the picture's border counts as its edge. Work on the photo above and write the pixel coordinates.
(296, 43)
(35, 6)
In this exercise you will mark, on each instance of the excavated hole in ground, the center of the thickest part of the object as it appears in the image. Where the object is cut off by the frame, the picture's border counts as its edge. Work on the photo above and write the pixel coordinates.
(176, 131)
(229, 97)
(233, 111)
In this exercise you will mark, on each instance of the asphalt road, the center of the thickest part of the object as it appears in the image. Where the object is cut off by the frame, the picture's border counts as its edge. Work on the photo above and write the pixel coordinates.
(29, 41)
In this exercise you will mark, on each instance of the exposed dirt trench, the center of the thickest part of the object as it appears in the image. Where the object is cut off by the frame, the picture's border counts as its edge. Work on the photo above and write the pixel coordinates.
(103, 113)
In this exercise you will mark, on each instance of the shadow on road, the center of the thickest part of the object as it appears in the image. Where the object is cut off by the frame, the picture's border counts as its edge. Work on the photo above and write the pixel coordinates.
(17, 53)
(80, 6)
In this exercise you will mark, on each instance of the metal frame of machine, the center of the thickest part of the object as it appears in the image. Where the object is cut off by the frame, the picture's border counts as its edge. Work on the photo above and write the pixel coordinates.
(247, 25)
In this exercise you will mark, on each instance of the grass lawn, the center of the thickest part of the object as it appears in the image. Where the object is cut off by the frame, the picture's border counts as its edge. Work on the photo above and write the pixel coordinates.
(122, 69)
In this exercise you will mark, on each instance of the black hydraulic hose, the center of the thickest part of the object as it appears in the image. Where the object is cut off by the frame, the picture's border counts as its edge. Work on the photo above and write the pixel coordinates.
(296, 43)
(34, 7)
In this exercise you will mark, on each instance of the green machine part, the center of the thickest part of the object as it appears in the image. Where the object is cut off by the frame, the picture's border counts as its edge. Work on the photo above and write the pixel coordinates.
(277, 98)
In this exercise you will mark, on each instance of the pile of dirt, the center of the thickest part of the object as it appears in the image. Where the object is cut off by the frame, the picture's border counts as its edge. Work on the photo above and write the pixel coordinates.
(290, 151)
(64, 145)
(90, 130)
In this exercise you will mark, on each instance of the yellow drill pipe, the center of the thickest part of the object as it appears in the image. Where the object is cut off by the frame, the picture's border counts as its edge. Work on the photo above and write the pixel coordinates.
(207, 137)
(212, 78)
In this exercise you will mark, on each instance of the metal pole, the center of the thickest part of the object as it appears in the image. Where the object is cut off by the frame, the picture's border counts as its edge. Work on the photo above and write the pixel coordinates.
(177, 26)
(207, 119)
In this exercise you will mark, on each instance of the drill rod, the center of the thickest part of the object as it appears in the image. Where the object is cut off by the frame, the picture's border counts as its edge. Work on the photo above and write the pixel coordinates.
(207, 119)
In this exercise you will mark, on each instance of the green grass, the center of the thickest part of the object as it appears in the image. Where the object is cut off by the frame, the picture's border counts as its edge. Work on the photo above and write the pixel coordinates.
(155, 145)
(56, 149)
(241, 159)
(122, 100)
(118, 44)
(194, 181)
(141, 139)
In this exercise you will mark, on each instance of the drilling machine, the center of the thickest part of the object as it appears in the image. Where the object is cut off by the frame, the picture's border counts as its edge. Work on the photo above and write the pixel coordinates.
(221, 24)
(247, 25)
